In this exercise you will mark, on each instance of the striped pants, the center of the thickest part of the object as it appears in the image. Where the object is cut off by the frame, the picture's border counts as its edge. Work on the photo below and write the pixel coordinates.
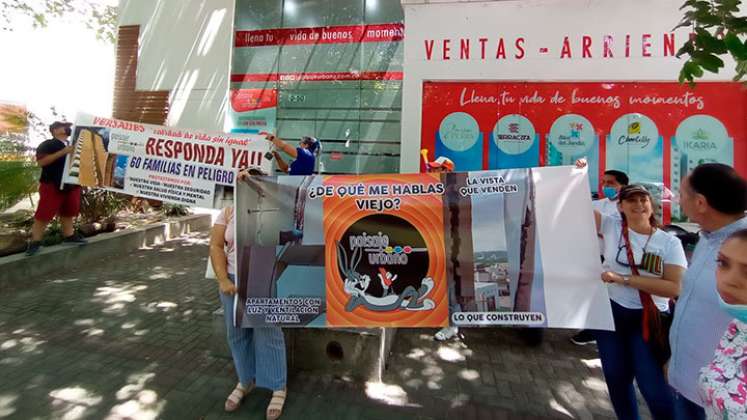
(258, 353)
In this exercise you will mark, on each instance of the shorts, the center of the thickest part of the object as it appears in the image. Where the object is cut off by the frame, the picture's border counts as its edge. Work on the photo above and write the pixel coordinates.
(53, 201)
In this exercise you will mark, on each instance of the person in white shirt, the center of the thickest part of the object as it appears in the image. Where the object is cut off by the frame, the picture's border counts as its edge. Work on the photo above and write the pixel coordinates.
(612, 181)
(643, 266)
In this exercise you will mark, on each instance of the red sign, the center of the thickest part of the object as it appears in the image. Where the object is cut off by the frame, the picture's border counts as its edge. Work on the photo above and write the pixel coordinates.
(243, 100)
(324, 35)
(689, 126)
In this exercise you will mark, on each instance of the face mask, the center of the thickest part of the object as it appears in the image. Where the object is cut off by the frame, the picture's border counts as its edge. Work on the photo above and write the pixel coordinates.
(610, 192)
(737, 311)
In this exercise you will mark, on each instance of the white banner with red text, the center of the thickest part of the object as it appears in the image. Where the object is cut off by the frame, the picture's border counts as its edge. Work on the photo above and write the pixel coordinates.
(174, 165)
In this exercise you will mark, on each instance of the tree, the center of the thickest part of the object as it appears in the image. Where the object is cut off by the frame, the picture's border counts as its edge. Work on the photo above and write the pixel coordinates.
(17, 170)
(97, 16)
(717, 31)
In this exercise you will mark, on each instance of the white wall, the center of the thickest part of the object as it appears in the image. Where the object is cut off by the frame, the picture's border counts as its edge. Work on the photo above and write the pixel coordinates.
(185, 47)
(542, 24)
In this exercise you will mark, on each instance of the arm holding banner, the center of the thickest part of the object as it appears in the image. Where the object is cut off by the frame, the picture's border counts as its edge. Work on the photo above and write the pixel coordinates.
(45, 160)
(282, 164)
(598, 222)
(219, 259)
(669, 288)
(282, 145)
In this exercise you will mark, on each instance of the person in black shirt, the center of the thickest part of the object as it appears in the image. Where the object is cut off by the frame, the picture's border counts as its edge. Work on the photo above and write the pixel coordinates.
(55, 199)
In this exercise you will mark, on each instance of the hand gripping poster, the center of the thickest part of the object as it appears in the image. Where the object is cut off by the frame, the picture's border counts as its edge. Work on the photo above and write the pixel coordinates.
(483, 248)
(175, 165)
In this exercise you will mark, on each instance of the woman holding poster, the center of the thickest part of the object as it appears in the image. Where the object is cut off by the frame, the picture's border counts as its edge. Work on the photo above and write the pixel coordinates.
(643, 266)
(258, 353)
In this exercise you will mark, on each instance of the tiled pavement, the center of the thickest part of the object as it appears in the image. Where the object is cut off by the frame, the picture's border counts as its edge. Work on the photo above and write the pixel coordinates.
(130, 338)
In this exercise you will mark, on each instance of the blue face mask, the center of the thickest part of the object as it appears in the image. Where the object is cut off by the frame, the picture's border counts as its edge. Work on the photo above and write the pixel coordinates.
(737, 311)
(610, 192)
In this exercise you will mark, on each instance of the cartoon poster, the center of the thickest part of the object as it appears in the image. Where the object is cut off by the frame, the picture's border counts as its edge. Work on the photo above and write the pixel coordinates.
(385, 240)
(418, 250)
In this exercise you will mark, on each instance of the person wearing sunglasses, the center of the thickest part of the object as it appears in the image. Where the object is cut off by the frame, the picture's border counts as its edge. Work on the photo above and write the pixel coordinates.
(643, 266)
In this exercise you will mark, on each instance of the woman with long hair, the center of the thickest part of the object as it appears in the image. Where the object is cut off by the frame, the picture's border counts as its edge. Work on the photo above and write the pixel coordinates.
(643, 266)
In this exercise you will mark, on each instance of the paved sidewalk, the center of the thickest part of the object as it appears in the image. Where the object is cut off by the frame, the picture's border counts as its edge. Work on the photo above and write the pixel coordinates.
(130, 338)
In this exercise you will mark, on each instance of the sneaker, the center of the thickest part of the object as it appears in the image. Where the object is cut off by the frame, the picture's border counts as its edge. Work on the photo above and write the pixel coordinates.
(446, 333)
(583, 338)
(33, 248)
(75, 239)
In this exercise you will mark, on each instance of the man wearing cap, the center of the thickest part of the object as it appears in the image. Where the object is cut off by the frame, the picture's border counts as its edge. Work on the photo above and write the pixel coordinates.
(442, 164)
(304, 154)
(55, 198)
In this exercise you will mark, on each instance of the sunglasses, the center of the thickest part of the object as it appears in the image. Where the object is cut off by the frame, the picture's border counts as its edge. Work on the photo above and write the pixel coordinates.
(651, 262)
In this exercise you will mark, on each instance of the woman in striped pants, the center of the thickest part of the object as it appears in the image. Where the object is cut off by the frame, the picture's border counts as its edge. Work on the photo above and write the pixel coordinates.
(258, 353)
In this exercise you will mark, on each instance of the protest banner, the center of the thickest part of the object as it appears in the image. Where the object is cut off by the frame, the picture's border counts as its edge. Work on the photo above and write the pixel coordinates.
(395, 250)
(175, 165)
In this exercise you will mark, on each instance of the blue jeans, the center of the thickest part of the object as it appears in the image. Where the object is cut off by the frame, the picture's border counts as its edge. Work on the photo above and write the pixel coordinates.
(625, 356)
(258, 353)
(685, 409)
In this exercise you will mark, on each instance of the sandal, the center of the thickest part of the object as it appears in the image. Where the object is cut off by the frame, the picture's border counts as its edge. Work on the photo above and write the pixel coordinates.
(446, 333)
(276, 405)
(234, 399)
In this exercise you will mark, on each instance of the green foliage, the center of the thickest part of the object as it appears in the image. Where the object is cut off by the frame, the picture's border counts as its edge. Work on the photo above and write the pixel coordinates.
(18, 181)
(100, 18)
(97, 205)
(717, 31)
(53, 233)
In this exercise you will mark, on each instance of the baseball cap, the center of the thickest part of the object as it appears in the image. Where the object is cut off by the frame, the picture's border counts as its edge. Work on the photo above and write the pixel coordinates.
(312, 142)
(442, 161)
(57, 124)
(631, 190)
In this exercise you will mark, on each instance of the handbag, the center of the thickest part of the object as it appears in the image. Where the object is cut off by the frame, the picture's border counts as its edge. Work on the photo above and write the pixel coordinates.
(655, 324)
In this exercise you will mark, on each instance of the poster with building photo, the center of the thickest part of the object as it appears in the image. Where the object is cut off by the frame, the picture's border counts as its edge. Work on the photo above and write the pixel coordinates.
(179, 166)
(279, 252)
(396, 250)
(491, 226)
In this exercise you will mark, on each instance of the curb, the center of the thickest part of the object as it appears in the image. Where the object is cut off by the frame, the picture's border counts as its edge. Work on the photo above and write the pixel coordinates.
(19, 271)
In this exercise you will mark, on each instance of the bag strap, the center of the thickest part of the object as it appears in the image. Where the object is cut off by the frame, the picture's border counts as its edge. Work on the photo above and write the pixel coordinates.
(651, 316)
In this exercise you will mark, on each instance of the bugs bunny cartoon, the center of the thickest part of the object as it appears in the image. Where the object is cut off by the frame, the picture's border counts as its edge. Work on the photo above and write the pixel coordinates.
(356, 286)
